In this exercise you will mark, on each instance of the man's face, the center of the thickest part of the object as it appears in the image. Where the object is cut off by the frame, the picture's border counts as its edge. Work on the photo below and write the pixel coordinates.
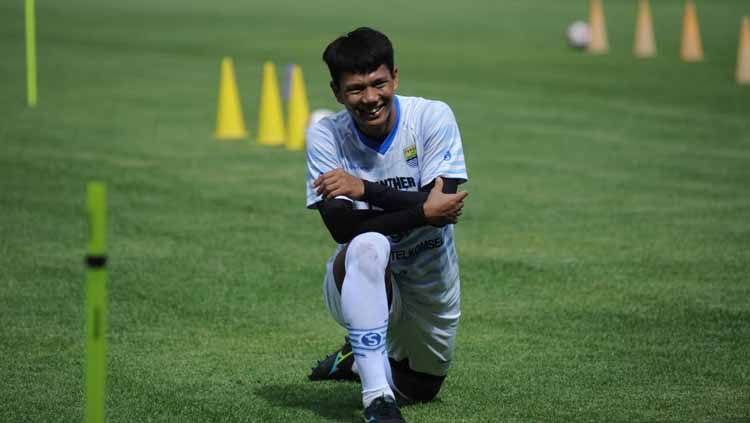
(369, 99)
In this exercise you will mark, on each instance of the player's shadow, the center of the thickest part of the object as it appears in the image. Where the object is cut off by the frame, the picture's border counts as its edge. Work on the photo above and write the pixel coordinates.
(337, 401)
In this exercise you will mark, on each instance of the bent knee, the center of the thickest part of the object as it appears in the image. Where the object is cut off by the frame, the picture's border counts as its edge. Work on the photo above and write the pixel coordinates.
(417, 386)
(427, 392)
(368, 252)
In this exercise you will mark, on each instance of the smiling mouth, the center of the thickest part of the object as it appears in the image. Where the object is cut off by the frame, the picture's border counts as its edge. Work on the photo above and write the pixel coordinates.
(371, 113)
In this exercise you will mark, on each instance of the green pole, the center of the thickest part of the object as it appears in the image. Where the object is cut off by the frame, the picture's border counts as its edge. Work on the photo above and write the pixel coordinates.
(31, 53)
(96, 304)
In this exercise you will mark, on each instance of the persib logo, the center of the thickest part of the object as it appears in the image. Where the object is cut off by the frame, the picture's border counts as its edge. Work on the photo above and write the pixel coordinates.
(410, 155)
(371, 339)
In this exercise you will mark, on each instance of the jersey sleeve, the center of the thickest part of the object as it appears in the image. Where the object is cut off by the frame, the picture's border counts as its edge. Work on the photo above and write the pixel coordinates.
(443, 153)
(322, 156)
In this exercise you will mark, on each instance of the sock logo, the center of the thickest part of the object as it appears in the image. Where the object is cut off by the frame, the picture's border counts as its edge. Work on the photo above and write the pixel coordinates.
(371, 339)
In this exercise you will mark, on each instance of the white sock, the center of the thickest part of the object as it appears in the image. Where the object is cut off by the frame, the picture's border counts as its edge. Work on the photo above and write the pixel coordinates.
(364, 304)
(388, 376)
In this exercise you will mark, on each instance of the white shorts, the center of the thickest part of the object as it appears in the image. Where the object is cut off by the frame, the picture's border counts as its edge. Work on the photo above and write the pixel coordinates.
(423, 333)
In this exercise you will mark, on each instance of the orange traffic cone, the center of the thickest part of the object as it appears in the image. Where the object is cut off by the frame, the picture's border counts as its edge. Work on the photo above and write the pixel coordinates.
(743, 53)
(644, 45)
(599, 43)
(230, 124)
(692, 48)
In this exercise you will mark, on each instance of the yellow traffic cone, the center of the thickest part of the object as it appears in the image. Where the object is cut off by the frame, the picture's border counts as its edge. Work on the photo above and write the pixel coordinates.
(270, 120)
(230, 124)
(299, 111)
(692, 48)
(743, 53)
(598, 43)
(644, 45)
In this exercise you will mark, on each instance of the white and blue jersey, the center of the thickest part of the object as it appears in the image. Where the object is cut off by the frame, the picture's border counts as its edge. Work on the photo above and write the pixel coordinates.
(424, 143)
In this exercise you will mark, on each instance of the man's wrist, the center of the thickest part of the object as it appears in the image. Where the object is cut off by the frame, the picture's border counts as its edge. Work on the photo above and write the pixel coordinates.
(369, 189)
(363, 189)
(423, 210)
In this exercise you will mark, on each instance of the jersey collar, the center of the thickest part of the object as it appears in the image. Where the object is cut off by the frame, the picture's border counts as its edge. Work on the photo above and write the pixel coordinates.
(380, 147)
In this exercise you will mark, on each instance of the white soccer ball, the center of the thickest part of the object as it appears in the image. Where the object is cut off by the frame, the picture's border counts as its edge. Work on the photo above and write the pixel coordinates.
(317, 115)
(578, 34)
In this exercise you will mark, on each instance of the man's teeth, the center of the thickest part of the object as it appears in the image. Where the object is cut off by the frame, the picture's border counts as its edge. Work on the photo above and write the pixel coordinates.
(374, 110)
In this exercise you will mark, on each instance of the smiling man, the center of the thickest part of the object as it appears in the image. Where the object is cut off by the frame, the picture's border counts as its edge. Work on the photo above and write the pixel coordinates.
(383, 173)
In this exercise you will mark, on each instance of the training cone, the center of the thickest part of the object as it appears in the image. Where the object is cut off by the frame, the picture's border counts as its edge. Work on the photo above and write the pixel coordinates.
(743, 53)
(598, 43)
(692, 48)
(271, 120)
(644, 45)
(299, 111)
(229, 122)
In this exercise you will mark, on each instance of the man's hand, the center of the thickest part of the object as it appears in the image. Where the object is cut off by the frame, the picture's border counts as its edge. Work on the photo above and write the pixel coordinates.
(337, 182)
(441, 209)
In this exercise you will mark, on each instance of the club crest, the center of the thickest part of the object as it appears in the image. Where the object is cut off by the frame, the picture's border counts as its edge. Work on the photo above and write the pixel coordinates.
(410, 155)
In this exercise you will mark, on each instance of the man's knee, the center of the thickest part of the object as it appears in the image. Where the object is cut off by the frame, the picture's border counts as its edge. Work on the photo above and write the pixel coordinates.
(419, 387)
(368, 253)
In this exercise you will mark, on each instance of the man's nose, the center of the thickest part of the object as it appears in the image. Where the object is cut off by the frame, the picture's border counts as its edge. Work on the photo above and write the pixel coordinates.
(371, 95)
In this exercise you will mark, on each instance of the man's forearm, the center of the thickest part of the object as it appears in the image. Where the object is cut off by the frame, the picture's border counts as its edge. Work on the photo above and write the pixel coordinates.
(390, 199)
(344, 223)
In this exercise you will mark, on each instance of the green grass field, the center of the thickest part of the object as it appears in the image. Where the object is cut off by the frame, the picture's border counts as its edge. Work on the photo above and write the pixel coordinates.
(605, 247)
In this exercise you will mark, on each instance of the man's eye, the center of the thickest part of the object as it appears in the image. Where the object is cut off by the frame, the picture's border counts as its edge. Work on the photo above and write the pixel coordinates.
(355, 92)
(380, 85)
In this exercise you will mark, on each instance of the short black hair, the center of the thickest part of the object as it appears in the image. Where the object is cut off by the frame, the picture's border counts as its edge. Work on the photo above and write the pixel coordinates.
(360, 51)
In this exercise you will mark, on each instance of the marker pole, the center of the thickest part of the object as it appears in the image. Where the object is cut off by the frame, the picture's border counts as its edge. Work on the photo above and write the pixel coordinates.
(96, 303)
(31, 52)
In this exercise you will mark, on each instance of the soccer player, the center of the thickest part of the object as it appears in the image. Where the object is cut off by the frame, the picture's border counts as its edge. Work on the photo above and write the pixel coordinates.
(383, 173)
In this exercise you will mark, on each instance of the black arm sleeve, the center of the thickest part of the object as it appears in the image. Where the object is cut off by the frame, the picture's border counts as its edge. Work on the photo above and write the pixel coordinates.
(391, 199)
(450, 186)
(344, 223)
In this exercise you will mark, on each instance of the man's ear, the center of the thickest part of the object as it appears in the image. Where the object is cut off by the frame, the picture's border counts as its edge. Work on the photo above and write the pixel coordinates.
(395, 78)
(335, 89)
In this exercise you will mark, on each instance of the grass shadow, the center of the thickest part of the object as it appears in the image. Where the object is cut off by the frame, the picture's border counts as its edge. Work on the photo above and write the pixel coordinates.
(336, 401)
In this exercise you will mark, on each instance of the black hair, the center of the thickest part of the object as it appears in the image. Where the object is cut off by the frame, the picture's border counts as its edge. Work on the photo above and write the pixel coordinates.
(360, 51)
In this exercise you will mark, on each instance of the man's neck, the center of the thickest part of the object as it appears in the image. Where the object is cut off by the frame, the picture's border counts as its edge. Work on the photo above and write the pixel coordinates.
(377, 134)
(380, 133)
